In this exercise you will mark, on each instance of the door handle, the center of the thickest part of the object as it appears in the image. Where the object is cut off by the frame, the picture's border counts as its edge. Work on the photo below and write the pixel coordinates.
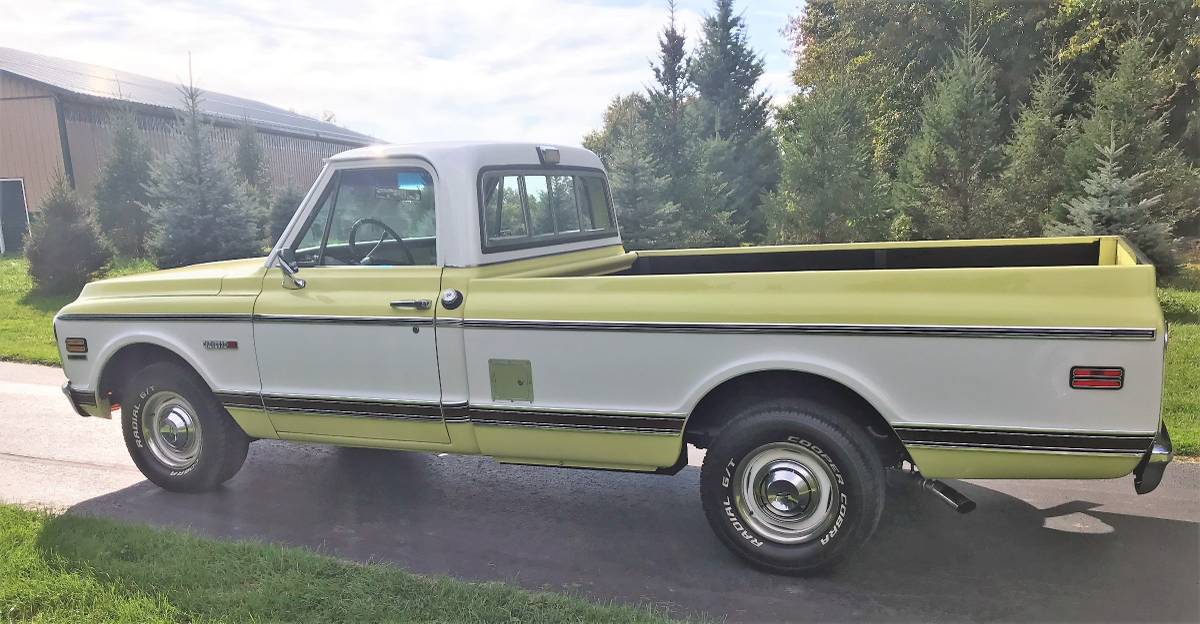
(416, 304)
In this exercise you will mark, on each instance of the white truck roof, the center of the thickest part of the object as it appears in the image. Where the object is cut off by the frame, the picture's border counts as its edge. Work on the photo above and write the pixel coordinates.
(456, 167)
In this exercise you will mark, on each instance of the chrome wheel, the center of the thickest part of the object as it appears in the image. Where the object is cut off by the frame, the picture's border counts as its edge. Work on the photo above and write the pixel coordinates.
(786, 493)
(171, 430)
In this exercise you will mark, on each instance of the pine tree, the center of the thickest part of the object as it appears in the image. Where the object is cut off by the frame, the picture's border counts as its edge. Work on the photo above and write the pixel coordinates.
(199, 211)
(648, 219)
(827, 191)
(725, 72)
(710, 219)
(947, 173)
(1034, 179)
(1127, 108)
(1110, 205)
(670, 119)
(250, 165)
(733, 118)
(121, 188)
(64, 247)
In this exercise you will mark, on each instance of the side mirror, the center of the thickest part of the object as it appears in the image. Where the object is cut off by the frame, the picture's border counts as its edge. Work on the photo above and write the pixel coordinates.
(286, 260)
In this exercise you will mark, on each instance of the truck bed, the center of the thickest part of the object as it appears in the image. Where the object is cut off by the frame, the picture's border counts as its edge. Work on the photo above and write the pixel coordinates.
(1091, 251)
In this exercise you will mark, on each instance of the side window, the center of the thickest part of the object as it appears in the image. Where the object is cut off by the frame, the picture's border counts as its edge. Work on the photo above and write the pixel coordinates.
(532, 208)
(373, 217)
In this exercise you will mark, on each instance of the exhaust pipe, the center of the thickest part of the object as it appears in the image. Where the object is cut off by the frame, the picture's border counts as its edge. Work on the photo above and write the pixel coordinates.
(952, 497)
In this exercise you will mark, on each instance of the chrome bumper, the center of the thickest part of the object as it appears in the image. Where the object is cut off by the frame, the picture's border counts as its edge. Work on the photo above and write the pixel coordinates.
(1149, 471)
(78, 398)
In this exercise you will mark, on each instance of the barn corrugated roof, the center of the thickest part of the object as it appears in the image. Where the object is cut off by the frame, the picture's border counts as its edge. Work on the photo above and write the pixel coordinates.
(112, 84)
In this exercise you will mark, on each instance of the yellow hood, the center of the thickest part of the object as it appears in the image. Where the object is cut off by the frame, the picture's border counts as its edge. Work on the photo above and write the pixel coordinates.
(197, 279)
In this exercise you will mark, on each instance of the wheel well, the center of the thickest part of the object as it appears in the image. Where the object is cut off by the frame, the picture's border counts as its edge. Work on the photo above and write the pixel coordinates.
(712, 412)
(129, 360)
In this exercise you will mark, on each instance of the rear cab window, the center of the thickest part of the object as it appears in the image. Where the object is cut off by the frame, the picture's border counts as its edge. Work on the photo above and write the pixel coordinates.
(531, 207)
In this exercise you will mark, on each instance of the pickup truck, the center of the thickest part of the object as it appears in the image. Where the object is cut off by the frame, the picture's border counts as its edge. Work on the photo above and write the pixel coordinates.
(476, 298)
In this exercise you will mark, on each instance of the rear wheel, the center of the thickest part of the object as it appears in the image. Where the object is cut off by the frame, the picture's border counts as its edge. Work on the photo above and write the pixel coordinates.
(177, 433)
(792, 485)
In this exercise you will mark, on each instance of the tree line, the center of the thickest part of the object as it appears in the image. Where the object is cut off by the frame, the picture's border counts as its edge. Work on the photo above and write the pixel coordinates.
(915, 120)
(187, 205)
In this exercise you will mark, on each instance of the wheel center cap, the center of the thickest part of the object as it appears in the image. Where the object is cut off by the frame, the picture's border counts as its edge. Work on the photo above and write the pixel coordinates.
(788, 492)
(176, 429)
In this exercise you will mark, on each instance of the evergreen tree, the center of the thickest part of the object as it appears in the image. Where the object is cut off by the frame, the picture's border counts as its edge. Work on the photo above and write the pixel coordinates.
(1110, 204)
(1127, 108)
(827, 190)
(670, 119)
(121, 188)
(283, 207)
(1034, 180)
(733, 117)
(250, 165)
(710, 219)
(725, 73)
(648, 219)
(199, 211)
(64, 247)
(947, 173)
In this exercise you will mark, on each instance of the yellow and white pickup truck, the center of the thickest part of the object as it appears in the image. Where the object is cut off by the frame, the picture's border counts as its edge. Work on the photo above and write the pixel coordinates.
(476, 299)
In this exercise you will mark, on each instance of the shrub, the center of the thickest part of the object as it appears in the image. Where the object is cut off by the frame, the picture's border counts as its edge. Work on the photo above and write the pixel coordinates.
(64, 247)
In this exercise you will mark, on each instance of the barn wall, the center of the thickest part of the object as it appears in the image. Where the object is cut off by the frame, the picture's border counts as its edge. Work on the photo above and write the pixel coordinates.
(290, 160)
(30, 147)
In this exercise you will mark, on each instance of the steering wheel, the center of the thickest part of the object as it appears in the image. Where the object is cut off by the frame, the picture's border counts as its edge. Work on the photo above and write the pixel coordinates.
(387, 230)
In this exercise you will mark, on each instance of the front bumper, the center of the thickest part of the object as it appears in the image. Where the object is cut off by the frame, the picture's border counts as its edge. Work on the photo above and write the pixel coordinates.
(1149, 471)
(82, 401)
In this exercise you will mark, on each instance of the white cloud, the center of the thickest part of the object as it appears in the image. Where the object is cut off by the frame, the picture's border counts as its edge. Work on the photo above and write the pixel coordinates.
(400, 70)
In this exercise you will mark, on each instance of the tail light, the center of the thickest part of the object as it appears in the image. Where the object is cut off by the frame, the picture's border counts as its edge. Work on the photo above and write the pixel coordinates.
(1097, 377)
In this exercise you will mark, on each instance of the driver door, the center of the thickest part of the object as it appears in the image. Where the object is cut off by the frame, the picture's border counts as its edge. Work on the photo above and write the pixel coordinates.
(350, 356)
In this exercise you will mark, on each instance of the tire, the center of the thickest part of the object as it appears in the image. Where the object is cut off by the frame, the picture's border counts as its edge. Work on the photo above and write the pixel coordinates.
(775, 451)
(177, 433)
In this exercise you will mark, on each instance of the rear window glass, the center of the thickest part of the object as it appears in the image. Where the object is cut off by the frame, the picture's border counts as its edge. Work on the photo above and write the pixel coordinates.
(536, 208)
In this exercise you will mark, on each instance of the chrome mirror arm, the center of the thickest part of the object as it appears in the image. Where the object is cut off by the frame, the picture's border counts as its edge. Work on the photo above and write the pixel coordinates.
(290, 279)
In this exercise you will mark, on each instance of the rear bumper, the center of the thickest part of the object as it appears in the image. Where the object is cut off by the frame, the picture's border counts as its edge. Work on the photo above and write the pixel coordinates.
(1149, 471)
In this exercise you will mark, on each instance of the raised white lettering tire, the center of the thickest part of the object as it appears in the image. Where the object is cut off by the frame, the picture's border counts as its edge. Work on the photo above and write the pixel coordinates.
(792, 486)
(177, 433)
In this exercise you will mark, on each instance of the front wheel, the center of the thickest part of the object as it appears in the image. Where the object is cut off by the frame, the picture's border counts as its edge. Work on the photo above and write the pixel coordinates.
(177, 433)
(792, 486)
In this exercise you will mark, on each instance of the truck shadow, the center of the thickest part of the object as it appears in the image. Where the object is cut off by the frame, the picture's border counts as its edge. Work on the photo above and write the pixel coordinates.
(643, 538)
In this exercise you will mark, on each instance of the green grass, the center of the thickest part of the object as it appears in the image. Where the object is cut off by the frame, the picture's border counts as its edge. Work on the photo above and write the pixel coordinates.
(78, 569)
(26, 336)
(1180, 300)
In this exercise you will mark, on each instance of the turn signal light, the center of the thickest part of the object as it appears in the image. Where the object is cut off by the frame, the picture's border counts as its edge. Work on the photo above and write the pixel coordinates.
(1097, 377)
(76, 345)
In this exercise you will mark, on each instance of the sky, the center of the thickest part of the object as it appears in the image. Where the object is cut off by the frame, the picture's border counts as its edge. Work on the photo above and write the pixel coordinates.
(399, 70)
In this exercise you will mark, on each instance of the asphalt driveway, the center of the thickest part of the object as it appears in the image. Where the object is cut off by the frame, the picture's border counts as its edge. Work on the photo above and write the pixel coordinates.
(1040, 550)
